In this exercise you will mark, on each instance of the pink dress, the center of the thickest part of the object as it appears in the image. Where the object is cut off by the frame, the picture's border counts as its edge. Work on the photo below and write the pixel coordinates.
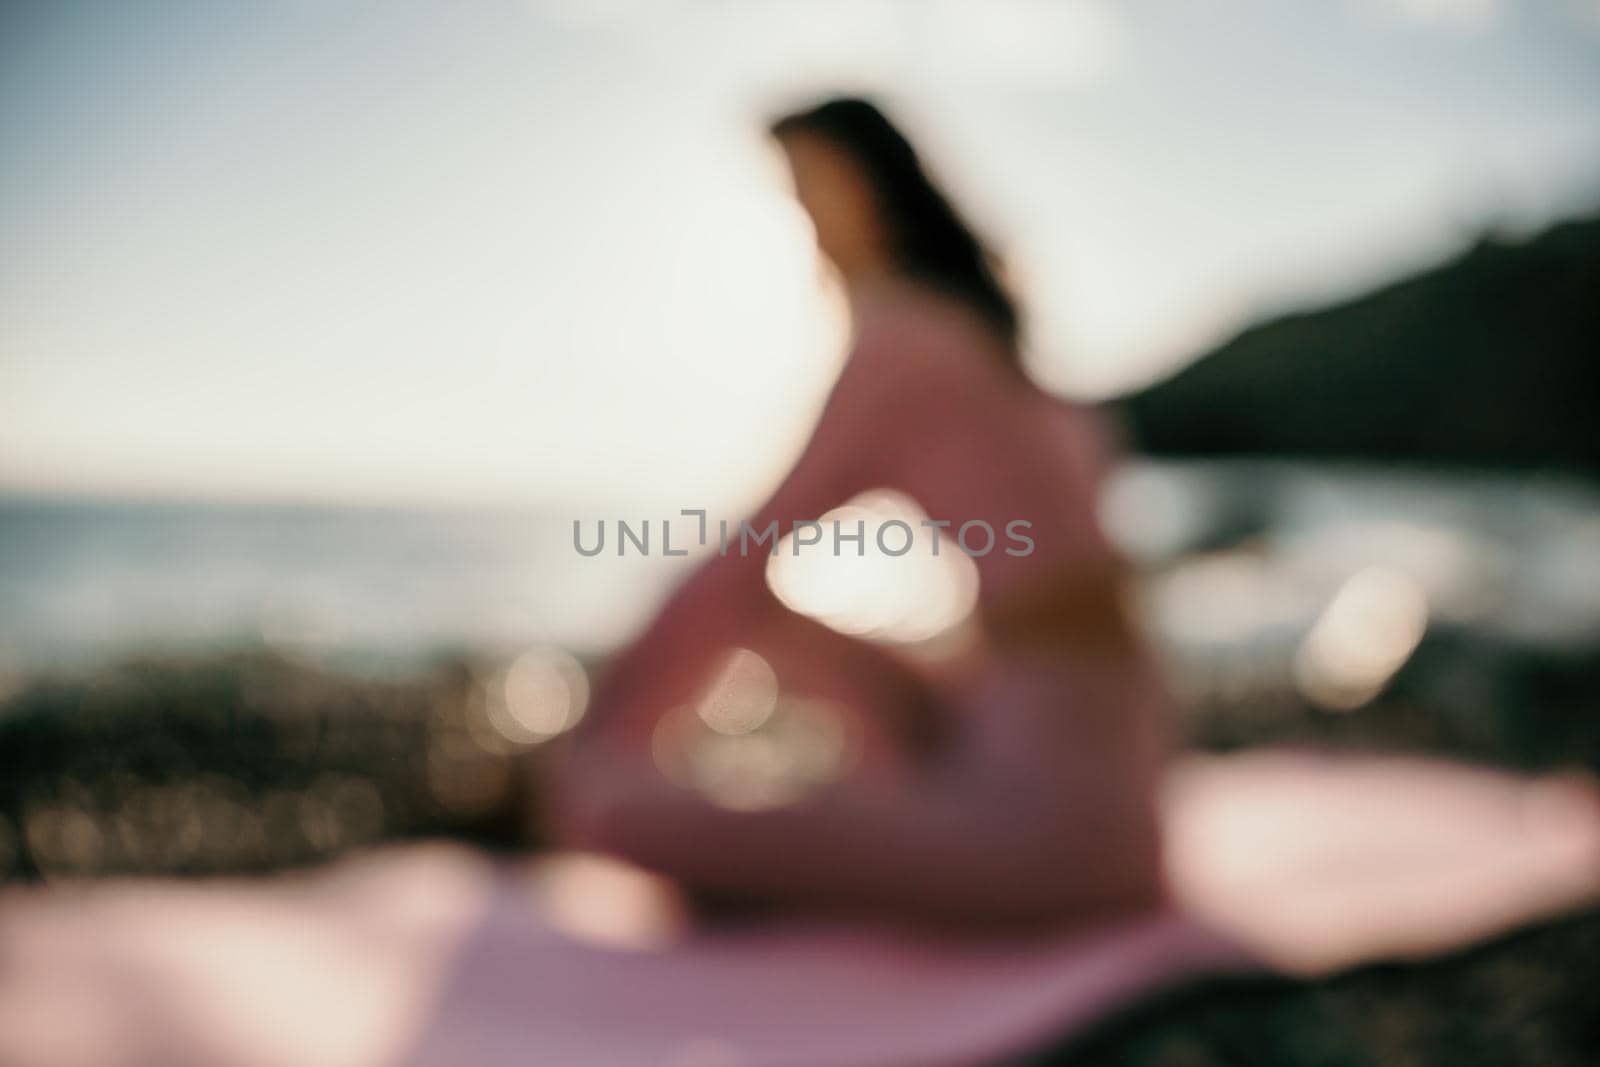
(1048, 748)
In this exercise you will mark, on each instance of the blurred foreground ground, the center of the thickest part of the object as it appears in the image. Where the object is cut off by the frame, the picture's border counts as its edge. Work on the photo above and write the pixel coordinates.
(258, 759)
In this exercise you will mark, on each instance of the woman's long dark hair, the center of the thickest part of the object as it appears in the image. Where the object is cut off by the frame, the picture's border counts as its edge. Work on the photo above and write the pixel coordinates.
(929, 240)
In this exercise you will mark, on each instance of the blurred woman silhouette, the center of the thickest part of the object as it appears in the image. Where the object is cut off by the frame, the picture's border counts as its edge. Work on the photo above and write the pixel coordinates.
(1013, 779)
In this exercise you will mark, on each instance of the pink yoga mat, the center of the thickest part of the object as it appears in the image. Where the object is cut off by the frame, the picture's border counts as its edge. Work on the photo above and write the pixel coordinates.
(433, 956)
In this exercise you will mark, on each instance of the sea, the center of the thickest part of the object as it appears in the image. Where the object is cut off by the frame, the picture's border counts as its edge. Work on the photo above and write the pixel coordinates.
(84, 581)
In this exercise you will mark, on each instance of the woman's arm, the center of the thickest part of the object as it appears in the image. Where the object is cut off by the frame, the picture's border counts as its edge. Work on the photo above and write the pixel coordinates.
(727, 596)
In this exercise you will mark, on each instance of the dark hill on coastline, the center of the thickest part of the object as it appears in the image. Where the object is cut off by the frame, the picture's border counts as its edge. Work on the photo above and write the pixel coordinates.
(1489, 360)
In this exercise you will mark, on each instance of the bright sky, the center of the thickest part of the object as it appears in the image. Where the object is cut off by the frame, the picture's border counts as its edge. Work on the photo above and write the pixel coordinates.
(537, 252)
